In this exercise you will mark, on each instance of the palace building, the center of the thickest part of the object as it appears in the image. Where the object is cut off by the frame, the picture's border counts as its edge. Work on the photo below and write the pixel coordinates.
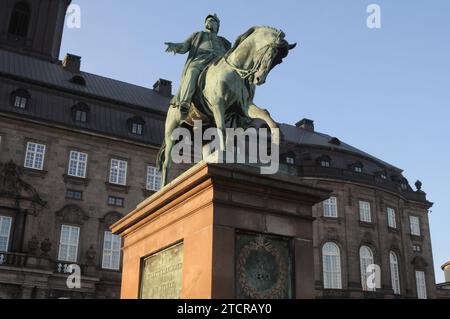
(78, 152)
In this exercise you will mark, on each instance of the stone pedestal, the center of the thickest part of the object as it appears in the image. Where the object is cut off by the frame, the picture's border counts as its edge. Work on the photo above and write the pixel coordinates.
(221, 231)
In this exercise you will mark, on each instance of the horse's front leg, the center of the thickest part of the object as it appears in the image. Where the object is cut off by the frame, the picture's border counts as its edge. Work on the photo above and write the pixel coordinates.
(173, 120)
(255, 112)
(218, 110)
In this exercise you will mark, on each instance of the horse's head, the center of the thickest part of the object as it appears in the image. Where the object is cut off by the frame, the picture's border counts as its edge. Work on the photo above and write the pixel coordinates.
(267, 47)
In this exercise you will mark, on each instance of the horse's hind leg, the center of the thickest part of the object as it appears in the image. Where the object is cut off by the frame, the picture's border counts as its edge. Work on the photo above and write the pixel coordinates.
(218, 110)
(255, 112)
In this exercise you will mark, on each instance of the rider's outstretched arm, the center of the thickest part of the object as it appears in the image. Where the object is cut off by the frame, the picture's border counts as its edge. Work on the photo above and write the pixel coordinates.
(180, 48)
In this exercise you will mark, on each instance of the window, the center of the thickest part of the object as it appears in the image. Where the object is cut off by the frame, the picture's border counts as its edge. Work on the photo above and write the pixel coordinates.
(421, 285)
(330, 208)
(358, 169)
(80, 113)
(290, 160)
(116, 201)
(366, 259)
(118, 173)
(364, 212)
(34, 158)
(417, 248)
(68, 243)
(20, 19)
(20, 102)
(395, 274)
(153, 179)
(137, 129)
(331, 266)
(324, 161)
(111, 251)
(5, 231)
(392, 223)
(77, 164)
(415, 225)
(136, 125)
(76, 195)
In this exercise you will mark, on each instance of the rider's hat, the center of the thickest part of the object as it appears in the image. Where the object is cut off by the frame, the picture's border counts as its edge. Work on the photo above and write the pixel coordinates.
(214, 16)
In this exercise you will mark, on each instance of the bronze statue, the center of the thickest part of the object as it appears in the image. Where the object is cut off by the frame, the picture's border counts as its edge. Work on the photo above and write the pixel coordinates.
(223, 92)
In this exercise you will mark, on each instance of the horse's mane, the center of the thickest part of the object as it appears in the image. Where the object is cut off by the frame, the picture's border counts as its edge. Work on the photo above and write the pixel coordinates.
(244, 36)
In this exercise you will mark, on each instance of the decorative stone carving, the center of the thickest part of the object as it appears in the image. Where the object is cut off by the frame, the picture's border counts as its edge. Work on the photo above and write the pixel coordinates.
(46, 247)
(72, 214)
(33, 245)
(90, 256)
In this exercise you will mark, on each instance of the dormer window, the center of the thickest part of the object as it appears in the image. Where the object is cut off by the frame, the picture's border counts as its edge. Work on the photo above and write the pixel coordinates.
(78, 79)
(290, 158)
(80, 113)
(357, 167)
(20, 98)
(136, 125)
(324, 161)
(20, 20)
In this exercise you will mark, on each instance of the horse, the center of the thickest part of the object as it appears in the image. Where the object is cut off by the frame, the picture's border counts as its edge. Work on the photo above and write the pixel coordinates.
(227, 87)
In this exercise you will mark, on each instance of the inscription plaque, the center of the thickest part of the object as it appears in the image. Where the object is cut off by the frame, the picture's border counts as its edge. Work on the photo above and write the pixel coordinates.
(162, 274)
(263, 267)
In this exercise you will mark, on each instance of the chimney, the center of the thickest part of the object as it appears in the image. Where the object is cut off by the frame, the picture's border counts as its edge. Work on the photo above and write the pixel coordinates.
(306, 124)
(72, 63)
(446, 269)
(163, 87)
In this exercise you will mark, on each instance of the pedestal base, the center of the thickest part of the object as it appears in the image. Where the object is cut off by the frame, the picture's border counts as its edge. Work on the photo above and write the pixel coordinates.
(221, 231)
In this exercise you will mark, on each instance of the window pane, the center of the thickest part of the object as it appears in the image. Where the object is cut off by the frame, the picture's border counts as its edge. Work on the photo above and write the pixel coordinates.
(366, 259)
(331, 266)
(68, 248)
(421, 285)
(34, 157)
(153, 179)
(111, 251)
(5, 231)
(395, 275)
(364, 211)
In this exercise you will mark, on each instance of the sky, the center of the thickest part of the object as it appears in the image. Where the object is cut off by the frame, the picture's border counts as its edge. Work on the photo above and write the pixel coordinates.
(385, 91)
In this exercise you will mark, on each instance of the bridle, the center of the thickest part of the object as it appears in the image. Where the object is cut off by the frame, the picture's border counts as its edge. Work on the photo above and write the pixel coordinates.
(247, 73)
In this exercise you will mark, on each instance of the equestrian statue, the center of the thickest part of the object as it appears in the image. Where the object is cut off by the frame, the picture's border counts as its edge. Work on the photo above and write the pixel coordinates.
(218, 82)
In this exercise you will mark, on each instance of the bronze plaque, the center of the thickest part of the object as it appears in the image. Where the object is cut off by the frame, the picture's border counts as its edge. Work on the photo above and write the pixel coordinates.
(162, 274)
(263, 267)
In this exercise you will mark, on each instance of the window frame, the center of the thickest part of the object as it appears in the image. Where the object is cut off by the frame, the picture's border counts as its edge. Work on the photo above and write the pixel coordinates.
(152, 185)
(419, 228)
(421, 294)
(395, 273)
(362, 213)
(35, 152)
(23, 15)
(330, 207)
(335, 264)
(66, 258)
(8, 236)
(111, 251)
(77, 162)
(364, 262)
(118, 171)
(392, 218)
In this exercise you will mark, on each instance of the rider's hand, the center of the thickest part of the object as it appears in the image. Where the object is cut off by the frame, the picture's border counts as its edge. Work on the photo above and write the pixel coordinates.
(170, 47)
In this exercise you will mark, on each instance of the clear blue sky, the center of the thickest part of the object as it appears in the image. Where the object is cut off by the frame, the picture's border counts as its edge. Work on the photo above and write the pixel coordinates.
(384, 91)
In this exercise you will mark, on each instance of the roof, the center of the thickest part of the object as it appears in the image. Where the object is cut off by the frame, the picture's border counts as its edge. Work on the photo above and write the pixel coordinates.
(297, 135)
(33, 69)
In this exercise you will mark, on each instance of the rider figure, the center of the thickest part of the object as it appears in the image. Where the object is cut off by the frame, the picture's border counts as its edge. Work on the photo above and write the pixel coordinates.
(204, 47)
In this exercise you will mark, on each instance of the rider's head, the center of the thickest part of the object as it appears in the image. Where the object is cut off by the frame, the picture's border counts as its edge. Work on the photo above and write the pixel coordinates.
(212, 23)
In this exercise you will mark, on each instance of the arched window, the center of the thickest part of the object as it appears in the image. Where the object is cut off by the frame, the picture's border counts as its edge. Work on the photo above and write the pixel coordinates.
(395, 274)
(20, 20)
(331, 255)
(80, 113)
(136, 125)
(20, 98)
(366, 259)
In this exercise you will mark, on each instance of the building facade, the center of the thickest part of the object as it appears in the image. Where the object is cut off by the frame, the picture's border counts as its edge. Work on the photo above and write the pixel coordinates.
(78, 152)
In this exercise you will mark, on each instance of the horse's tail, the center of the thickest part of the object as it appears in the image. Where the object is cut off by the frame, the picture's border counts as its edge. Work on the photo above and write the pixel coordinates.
(161, 156)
